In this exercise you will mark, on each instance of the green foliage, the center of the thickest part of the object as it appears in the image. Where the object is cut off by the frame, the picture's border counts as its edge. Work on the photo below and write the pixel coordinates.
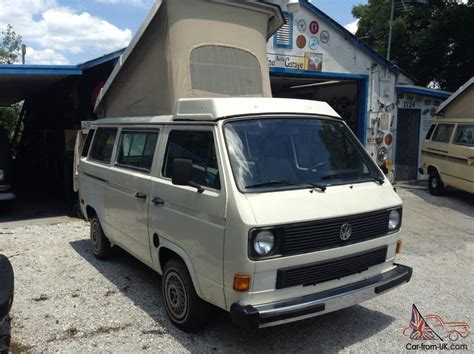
(9, 46)
(9, 117)
(433, 42)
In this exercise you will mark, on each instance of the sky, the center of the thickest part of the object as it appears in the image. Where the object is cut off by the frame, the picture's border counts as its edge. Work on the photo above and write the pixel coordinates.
(75, 31)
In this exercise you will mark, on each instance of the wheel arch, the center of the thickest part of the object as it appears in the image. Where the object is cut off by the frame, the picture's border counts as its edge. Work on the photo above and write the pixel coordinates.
(170, 250)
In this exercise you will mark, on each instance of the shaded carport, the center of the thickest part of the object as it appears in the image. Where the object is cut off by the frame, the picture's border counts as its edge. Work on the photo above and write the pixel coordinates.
(55, 99)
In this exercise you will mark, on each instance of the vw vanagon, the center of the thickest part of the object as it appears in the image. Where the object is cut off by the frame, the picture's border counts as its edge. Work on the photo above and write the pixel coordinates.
(267, 208)
(447, 155)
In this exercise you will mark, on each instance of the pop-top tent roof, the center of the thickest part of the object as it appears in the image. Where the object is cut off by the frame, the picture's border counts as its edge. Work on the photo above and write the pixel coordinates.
(459, 92)
(191, 49)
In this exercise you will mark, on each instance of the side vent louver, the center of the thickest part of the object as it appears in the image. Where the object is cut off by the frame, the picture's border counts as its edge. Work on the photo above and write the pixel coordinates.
(284, 36)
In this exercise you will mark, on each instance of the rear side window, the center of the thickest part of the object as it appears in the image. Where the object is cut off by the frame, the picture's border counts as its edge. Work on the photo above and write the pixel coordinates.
(199, 147)
(430, 132)
(87, 144)
(137, 149)
(465, 135)
(103, 144)
(443, 133)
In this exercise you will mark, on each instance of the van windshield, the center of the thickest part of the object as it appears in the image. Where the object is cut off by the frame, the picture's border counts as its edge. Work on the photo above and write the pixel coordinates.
(289, 153)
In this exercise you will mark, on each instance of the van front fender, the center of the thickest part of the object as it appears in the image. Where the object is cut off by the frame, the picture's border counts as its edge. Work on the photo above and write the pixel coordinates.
(181, 253)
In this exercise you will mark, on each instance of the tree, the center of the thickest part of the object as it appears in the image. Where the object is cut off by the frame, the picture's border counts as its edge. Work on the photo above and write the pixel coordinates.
(433, 43)
(9, 46)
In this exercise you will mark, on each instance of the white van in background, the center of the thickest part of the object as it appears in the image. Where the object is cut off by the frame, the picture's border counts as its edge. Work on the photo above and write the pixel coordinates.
(267, 208)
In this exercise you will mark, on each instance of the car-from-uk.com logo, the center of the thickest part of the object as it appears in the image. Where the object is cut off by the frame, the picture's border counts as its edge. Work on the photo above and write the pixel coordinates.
(441, 334)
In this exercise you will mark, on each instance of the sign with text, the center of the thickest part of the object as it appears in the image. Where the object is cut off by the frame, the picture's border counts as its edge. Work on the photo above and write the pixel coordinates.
(310, 61)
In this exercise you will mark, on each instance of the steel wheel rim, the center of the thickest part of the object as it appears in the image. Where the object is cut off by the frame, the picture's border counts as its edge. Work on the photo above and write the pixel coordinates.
(434, 182)
(175, 296)
(95, 235)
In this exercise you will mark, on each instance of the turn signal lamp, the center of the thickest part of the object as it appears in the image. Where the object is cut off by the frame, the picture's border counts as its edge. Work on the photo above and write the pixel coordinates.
(242, 282)
(399, 247)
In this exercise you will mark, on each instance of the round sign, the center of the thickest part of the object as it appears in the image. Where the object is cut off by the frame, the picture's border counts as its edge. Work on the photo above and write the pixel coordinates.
(302, 25)
(314, 43)
(324, 36)
(301, 41)
(314, 27)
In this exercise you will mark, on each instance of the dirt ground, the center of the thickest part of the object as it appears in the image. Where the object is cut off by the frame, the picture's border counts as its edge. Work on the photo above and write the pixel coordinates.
(66, 300)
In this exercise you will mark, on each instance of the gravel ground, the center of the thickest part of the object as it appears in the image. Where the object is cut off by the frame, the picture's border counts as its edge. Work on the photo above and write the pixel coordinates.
(67, 301)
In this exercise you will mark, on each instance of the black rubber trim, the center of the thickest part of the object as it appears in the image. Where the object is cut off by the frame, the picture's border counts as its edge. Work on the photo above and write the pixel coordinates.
(403, 279)
(293, 314)
(95, 177)
(245, 316)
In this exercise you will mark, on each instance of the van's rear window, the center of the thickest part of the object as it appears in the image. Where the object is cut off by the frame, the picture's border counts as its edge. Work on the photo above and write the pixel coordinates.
(87, 144)
(103, 145)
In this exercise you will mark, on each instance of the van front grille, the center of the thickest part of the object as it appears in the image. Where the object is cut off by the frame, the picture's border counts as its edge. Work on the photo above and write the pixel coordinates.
(319, 235)
(329, 270)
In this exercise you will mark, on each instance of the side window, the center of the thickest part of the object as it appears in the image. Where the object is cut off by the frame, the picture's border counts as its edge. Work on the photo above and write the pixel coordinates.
(103, 145)
(199, 147)
(137, 149)
(87, 144)
(443, 133)
(430, 132)
(465, 135)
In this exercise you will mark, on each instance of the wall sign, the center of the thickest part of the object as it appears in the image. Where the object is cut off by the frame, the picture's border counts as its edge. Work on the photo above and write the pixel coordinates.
(324, 36)
(309, 62)
(301, 41)
(314, 27)
(313, 43)
(302, 26)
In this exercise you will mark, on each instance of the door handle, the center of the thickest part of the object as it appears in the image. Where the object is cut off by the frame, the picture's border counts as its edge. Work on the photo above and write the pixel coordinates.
(158, 201)
(140, 195)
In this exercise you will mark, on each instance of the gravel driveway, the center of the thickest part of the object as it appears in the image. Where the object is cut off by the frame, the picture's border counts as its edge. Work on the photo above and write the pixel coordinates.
(67, 301)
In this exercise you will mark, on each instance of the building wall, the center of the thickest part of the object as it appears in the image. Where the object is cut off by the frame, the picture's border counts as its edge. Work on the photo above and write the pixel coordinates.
(463, 106)
(333, 51)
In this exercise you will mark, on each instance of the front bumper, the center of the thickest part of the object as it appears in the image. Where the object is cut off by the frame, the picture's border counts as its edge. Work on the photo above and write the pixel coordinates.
(275, 313)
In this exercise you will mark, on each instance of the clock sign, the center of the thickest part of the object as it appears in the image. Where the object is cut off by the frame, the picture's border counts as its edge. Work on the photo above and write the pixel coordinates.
(302, 25)
(314, 27)
(313, 43)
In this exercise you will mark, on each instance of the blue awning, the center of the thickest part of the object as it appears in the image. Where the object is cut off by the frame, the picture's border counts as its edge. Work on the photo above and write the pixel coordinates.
(423, 91)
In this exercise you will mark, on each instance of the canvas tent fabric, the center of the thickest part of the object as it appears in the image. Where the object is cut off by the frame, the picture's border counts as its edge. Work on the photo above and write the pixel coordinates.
(191, 49)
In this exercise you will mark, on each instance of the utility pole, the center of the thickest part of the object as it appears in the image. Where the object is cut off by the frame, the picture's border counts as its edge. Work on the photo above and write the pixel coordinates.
(392, 12)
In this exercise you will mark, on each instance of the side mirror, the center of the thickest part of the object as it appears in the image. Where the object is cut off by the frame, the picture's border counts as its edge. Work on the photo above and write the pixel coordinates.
(183, 174)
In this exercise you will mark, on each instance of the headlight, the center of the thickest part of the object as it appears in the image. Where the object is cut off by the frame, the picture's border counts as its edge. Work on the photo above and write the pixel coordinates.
(394, 220)
(264, 242)
(2, 175)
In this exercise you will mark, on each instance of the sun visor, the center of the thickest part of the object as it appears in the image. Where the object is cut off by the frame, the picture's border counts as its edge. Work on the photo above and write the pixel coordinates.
(192, 49)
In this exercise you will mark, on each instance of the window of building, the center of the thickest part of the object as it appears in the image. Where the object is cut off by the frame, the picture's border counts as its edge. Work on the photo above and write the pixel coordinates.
(103, 145)
(225, 71)
(443, 133)
(199, 147)
(87, 144)
(137, 149)
(284, 37)
(465, 135)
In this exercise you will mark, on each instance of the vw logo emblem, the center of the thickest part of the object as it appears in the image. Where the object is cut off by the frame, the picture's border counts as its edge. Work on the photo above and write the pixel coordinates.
(346, 232)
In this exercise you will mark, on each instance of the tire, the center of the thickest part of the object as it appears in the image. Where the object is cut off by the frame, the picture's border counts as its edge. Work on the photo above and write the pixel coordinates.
(184, 307)
(100, 244)
(453, 336)
(435, 184)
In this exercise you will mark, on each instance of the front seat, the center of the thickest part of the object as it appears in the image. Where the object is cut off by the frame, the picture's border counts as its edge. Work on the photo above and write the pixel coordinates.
(274, 162)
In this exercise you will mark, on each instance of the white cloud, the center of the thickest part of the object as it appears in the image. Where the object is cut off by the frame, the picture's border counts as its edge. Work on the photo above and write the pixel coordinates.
(352, 27)
(47, 25)
(45, 56)
(140, 3)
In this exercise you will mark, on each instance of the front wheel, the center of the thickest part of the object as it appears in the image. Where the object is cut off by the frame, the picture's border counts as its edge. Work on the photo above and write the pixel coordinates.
(436, 185)
(101, 247)
(184, 307)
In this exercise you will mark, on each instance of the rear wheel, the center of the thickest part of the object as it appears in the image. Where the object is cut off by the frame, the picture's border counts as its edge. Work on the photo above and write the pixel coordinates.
(101, 247)
(435, 183)
(184, 307)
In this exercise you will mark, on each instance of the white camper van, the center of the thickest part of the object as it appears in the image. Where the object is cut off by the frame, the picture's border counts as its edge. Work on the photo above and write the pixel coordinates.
(273, 216)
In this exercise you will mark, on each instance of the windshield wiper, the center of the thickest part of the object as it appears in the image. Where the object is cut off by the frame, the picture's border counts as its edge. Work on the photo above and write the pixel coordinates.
(378, 179)
(322, 187)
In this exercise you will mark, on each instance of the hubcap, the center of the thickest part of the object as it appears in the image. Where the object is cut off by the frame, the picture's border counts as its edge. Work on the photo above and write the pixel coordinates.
(95, 237)
(175, 295)
(434, 182)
